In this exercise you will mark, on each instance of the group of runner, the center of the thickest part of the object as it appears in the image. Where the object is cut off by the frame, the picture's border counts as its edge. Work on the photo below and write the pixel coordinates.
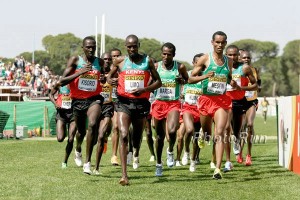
(113, 94)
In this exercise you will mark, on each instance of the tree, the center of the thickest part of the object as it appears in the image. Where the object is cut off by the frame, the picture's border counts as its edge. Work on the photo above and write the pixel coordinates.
(291, 61)
(60, 48)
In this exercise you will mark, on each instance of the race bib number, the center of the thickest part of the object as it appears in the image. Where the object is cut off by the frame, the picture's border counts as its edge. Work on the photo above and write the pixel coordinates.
(114, 93)
(66, 103)
(249, 94)
(166, 93)
(191, 98)
(133, 82)
(87, 84)
(216, 87)
(106, 96)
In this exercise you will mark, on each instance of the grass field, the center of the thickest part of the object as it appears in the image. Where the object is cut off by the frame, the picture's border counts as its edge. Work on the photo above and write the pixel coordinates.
(31, 169)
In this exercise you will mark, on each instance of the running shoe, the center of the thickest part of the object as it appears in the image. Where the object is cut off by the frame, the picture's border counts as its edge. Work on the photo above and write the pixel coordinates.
(87, 168)
(96, 172)
(114, 161)
(135, 163)
(170, 158)
(152, 158)
(78, 158)
(201, 141)
(212, 165)
(236, 148)
(239, 159)
(228, 166)
(177, 163)
(129, 158)
(248, 161)
(64, 165)
(193, 166)
(217, 174)
(185, 158)
(159, 170)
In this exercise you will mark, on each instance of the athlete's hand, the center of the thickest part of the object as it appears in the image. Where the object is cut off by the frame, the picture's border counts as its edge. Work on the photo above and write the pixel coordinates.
(234, 85)
(138, 91)
(102, 78)
(86, 68)
(210, 74)
(57, 107)
(179, 80)
(113, 81)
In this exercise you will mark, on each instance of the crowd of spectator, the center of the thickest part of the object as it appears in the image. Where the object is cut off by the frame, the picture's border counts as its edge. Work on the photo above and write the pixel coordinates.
(23, 73)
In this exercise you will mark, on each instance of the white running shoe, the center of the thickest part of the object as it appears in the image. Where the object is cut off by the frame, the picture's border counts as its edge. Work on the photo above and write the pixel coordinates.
(152, 159)
(228, 166)
(129, 158)
(159, 170)
(212, 165)
(177, 163)
(170, 158)
(185, 158)
(135, 163)
(192, 166)
(87, 168)
(96, 172)
(236, 148)
(78, 158)
(64, 165)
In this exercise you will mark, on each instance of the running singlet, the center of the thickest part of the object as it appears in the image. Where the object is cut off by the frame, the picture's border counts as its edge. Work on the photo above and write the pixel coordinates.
(216, 85)
(107, 93)
(133, 76)
(252, 95)
(170, 89)
(64, 99)
(241, 80)
(86, 85)
(192, 92)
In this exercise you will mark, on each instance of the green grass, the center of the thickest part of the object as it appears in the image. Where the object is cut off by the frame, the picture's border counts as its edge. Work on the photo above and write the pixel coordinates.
(269, 129)
(31, 169)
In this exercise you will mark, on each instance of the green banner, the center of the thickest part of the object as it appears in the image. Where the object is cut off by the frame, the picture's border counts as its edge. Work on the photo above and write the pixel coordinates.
(30, 114)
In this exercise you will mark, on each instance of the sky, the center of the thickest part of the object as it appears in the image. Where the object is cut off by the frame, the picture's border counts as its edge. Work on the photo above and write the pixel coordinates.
(187, 24)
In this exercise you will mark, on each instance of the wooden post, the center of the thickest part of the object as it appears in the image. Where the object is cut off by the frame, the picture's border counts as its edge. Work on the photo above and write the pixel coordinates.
(15, 120)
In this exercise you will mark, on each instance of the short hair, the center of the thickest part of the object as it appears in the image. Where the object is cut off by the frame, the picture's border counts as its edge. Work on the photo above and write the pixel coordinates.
(115, 49)
(232, 46)
(169, 45)
(219, 33)
(88, 38)
(133, 37)
(197, 56)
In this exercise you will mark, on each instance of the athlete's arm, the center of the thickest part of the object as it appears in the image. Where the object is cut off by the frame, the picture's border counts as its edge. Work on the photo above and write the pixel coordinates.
(184, 77)
(53, 91)
(248, 72)
(116, 65)
(198, 69)
(69, 74)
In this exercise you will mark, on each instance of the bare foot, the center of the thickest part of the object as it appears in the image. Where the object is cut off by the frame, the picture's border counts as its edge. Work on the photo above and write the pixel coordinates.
(124, 181)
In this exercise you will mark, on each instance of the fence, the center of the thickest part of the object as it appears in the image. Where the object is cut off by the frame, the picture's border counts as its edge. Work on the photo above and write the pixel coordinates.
(33, 114)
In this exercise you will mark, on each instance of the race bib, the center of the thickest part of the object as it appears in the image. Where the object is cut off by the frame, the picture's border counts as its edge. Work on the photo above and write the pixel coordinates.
(216, 87)
(166, 93)
(114, 93)
(249, 94)
(191, 98)
(66, 103)
(87, 84)
(106, 96)
(133, 82)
